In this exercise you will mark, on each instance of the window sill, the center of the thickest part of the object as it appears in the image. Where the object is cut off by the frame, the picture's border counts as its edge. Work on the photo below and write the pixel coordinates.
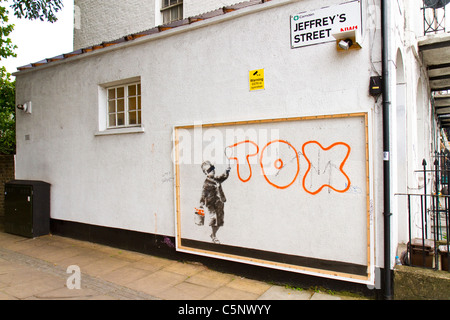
(109, 132)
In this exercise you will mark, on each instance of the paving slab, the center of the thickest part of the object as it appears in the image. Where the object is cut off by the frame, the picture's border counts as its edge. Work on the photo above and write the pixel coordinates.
(36, 269)
(156, 283)
(249, 285)
(227, 293)
(186, 291)
(281, 293)
(324, 296)
(211, 279)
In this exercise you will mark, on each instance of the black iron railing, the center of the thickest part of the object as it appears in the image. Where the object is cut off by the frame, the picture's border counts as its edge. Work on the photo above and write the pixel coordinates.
(429, 218)
(434, 16)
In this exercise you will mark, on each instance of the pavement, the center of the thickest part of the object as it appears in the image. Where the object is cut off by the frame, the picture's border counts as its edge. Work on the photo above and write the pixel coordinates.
(59, 268)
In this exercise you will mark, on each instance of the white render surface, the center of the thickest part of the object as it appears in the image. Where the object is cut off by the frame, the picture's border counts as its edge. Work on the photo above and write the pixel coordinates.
(106, 20)
(199, 74)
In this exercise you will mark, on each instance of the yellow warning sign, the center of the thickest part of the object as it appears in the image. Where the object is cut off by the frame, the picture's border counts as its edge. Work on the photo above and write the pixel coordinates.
(256, 78)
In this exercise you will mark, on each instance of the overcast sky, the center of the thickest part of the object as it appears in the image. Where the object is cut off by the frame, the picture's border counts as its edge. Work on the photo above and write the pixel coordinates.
(38, 40)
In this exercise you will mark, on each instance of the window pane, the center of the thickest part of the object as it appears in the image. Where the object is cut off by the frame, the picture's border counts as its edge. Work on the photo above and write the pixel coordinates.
(120, 92)
(174, 13)
(132, 90)
(112, 120)
(132, 103)
(139, 103)
(173, 2)
(120, 105)
(166, 16)
(121, 119)
(112, 106)
(139, 117)
(132, 117)
(139, 89)
(111, 93)
(165, 3)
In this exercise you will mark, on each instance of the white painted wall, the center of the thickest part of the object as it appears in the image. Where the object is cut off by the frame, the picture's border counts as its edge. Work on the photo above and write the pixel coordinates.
(106, 20)
(411, 118)
(197, 73)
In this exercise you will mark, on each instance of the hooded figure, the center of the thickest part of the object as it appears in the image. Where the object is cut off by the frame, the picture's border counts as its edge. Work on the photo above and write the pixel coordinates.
(213, 197)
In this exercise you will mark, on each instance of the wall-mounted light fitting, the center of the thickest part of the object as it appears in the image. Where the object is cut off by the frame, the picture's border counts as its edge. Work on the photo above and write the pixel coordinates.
(26, 107)
(347, 40)
(345, 44)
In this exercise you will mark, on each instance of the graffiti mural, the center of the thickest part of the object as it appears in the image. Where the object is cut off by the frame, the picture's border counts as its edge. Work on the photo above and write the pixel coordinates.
(242, 164)
(321, 167)
(281, 192)
(213, 199)
(272, 169)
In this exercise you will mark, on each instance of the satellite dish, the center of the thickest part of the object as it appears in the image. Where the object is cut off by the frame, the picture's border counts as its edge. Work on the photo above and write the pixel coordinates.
(435, 4)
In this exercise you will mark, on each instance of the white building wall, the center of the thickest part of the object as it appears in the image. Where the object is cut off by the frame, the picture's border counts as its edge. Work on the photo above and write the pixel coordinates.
(106, 20)
(413, 132)
(126, 181)
(207, 83)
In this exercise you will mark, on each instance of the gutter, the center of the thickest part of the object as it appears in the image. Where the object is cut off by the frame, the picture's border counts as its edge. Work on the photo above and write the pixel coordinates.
(385, 26)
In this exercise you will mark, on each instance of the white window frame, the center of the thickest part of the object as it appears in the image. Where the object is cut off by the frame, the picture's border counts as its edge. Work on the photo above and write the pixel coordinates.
(126, 107)
(103, 109)
(168, 9)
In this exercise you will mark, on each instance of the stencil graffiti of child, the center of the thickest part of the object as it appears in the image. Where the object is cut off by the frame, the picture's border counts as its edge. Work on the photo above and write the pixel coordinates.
(213, 198)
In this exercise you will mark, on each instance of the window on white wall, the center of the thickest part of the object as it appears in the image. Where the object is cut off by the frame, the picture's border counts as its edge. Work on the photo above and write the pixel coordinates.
(124, 105)
(172, 10)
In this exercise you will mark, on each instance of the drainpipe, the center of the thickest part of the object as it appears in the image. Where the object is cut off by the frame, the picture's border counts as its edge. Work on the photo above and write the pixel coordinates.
(385, 26)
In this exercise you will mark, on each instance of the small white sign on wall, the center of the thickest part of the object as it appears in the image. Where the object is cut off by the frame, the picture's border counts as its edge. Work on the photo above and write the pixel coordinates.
(318, 26)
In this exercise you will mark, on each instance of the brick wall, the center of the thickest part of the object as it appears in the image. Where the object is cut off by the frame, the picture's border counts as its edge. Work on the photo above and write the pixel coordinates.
(195, 7)
(96, 21)
(6, 174)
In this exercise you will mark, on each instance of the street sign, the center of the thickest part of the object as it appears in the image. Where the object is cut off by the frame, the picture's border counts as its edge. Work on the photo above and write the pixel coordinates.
(318, 26)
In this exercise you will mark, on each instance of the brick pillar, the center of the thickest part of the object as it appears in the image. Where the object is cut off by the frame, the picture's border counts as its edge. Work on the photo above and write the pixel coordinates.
(7, 173)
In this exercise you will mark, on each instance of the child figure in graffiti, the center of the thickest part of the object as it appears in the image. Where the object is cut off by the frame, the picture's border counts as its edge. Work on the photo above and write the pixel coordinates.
(213, 197)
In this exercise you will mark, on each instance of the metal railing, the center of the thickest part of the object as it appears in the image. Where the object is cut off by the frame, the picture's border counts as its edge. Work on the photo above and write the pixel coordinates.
(434, 16)
(429, 218)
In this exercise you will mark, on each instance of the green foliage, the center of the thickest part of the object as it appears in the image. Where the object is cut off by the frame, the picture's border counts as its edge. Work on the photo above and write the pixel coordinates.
(7, 114)
(37, 9)
(6, 45)
(31, 10)
(28, 9)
